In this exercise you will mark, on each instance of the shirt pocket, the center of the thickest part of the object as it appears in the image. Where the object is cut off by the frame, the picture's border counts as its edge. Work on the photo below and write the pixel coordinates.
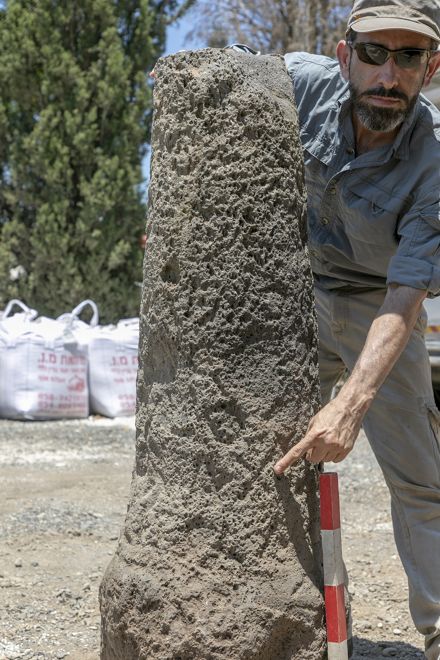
(370, 214)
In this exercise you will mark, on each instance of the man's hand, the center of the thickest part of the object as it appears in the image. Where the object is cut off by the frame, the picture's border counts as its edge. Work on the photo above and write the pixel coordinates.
(330, 436)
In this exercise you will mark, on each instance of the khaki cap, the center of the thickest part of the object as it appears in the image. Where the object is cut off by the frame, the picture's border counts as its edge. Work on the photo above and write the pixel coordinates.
(421, 16)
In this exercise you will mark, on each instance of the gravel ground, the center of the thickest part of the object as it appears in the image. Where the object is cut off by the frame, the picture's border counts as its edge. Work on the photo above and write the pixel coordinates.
(64, 490)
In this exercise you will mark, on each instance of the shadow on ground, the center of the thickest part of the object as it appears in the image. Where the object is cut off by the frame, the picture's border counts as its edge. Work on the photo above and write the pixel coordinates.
(365, 648)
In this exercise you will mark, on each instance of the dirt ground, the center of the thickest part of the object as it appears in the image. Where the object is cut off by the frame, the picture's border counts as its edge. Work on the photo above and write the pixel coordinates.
(64, 490)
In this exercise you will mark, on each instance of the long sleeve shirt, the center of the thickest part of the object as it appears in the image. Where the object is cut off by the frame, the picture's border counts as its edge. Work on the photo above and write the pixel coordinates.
(373, 219)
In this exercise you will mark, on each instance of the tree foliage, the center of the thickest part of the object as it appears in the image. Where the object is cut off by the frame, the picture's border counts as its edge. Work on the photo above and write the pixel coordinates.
(272, 25)
(75, 111)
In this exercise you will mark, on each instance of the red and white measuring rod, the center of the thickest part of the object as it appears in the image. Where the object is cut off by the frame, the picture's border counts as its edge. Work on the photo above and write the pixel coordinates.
(333, 567)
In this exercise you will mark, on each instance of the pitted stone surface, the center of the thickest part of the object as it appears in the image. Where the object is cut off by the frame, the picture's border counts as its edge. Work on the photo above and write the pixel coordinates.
(219, 559)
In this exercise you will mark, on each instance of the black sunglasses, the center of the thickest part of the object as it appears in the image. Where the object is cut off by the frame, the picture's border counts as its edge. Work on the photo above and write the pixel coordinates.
(405, 58)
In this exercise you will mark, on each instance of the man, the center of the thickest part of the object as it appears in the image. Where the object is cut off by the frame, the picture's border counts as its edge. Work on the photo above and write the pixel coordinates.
(372, 157)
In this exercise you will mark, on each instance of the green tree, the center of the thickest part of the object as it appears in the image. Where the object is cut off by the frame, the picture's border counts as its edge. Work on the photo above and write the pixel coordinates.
(75, 112)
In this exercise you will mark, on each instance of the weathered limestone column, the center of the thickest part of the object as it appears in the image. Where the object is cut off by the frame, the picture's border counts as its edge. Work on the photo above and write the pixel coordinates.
(219, 559)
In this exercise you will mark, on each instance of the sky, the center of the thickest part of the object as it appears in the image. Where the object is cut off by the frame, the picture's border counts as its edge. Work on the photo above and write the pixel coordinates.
(176, 35)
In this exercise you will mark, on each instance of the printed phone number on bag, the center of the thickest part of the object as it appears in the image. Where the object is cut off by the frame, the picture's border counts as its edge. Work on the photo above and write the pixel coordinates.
(48, 401)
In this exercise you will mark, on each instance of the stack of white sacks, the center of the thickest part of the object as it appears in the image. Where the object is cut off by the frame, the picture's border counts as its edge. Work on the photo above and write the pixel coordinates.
(65, 368)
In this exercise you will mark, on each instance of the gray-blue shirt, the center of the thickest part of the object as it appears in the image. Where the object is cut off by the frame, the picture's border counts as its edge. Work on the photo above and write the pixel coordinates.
(373, 219)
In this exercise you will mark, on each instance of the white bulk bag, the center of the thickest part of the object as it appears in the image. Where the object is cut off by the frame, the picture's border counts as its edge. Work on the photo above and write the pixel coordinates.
(113, 361)
(43, 369)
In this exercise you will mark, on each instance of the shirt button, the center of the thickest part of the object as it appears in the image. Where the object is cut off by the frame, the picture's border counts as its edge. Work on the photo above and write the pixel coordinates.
(325, 221)
(350, 151)
(332, 190)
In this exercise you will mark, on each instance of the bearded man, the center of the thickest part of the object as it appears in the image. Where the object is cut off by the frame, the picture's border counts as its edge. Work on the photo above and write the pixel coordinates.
(372, 161)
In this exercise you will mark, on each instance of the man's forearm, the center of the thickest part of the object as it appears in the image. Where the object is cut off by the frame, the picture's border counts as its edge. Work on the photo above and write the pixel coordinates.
(388, 336)
(333, 430)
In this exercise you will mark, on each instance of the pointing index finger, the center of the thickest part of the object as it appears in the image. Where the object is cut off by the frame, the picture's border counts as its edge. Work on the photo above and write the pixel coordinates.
(293, 455)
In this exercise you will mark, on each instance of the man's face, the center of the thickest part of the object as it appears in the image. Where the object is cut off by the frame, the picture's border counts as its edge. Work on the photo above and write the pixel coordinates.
(384, 95)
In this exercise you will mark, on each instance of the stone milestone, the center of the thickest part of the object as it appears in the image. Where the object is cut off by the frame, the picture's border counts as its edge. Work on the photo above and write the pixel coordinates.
(218, 558)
